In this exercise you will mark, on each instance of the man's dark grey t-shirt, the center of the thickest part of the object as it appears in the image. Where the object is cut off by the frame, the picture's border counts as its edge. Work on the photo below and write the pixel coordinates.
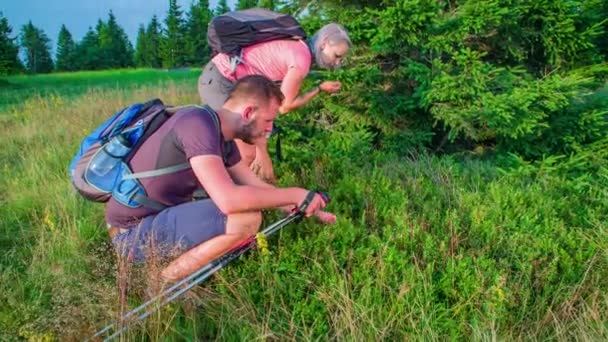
(188, 133)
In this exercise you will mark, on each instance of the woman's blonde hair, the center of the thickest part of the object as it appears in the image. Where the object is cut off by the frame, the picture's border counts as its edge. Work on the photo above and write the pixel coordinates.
(332, 34)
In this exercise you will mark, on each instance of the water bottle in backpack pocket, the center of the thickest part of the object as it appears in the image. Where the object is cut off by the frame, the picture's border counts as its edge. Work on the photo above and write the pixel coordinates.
(105, 166)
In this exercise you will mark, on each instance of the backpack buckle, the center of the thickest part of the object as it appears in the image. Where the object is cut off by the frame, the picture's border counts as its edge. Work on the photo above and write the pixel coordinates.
(235, 61)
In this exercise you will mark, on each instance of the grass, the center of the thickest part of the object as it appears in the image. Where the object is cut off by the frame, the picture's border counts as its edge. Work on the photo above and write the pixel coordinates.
(426, 247)
(18, 89)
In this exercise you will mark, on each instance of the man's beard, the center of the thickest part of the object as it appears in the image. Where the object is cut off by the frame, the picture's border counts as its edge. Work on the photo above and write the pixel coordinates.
(246, 133)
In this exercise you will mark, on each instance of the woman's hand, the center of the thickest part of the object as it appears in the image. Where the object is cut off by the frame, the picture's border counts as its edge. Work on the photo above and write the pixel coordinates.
(330, 86)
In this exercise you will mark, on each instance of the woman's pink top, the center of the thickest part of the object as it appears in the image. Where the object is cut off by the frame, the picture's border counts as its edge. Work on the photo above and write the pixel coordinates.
(272, 59)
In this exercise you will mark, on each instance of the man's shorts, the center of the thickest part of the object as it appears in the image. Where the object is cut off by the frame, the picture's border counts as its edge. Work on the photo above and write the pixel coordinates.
(172, 232)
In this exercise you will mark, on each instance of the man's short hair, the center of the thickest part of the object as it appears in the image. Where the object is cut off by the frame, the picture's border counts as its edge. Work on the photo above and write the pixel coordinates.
(258, 87)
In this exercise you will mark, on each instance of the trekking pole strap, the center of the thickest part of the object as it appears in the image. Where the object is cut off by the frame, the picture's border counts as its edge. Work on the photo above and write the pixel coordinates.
(304, 205)
(311, 195)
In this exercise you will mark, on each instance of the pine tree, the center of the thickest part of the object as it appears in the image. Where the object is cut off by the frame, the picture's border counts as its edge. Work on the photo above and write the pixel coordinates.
(268, 4)
(141, 48)
(101, 46)
(245, 4)
(9, 50)
(113, 41)
(173, 42)
(37, 49)
(222, 7)
(153, 43)
(199, 16)
(88, 53)
(66, 51)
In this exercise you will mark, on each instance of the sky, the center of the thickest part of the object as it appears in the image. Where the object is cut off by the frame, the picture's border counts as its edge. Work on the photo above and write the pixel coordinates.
(78, 15)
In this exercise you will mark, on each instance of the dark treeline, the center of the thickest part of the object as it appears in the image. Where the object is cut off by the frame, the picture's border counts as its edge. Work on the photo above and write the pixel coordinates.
(178, 39)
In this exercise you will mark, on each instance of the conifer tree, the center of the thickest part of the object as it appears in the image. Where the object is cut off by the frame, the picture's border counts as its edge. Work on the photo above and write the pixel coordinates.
(268, 4)
(37, 49)
(245, 4)
(199, 16)
(66, 51)
(114, 44)
(173, 42)
(153, 43)
(222, 7)
(141, 48)
(9, 50)
(88, 53)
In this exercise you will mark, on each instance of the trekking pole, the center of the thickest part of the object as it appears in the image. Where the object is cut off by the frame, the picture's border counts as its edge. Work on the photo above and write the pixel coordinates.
(203, 273)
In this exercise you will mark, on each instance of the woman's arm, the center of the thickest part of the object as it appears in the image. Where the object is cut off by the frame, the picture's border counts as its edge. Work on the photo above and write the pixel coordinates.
(291, 86)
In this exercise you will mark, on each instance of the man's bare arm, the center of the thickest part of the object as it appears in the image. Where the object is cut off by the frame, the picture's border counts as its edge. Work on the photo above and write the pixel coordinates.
(248, 195)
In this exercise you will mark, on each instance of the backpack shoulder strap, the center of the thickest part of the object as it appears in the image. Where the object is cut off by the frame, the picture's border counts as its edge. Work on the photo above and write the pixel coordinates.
(214, 116)
(227, 147)
(159, 172)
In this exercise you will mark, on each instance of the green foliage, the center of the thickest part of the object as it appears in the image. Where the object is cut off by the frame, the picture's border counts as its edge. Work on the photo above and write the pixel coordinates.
(268, 4)
(580, 122)
(245, 4)
(153, 44)
(507, 74)
(450, 246)
(148, 45)
(105, 47)
(9, 49)
(37, 49)
(66, 51)
(89, 52)
(141, 47)
(199, 16)
(173, 51)
(114, 44)
(221, 8)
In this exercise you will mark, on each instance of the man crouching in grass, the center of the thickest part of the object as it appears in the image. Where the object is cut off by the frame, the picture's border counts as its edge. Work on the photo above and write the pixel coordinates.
(203, 230)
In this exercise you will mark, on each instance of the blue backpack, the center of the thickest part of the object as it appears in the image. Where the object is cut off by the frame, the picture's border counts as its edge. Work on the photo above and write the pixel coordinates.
(100, 169)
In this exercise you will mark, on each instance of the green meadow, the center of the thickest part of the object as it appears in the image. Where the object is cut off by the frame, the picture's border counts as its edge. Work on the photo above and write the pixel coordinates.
(18, 89)
(462, 246)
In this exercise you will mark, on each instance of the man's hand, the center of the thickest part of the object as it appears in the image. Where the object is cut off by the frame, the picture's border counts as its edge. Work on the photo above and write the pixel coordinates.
(326, 217)
(330, 86)
(315, 205)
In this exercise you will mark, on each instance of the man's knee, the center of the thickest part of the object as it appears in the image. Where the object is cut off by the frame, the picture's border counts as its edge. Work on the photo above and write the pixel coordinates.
(245, 224)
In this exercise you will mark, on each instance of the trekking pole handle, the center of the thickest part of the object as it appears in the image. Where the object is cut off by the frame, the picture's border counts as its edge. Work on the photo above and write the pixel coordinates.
(324, 195)
(309, 198)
